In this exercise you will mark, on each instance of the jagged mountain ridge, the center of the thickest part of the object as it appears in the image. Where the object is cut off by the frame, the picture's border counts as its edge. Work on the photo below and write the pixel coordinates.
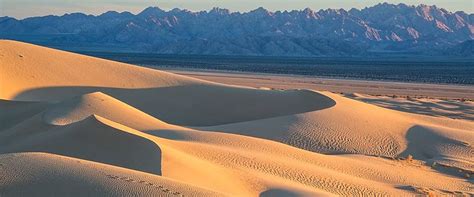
(383, 28)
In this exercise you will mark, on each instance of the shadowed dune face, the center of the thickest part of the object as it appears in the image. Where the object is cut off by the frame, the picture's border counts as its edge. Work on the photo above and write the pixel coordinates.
(92, 139)
(431, 143)
(97, 103)
(200, 105)
(14, 112)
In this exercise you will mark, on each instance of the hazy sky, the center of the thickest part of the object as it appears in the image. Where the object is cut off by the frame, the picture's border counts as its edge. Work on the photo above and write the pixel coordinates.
(25, 8)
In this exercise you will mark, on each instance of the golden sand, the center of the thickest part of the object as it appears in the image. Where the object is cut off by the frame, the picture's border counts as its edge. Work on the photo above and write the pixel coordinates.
(73, 125)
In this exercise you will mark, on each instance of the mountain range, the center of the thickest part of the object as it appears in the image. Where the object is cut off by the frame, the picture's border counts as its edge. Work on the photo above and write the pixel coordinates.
(383, 29)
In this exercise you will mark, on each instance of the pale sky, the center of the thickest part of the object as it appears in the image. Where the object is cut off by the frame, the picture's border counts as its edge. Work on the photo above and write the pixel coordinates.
(26, 8)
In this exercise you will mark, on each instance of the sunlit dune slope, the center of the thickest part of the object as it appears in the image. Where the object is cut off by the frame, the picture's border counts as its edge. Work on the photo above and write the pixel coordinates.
(355, 127)
(27, 67)
(54, 175)
(77, 125)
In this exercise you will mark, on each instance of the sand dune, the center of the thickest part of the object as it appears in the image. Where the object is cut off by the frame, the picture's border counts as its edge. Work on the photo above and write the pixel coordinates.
(63, 176)
(77, 125)
(27, 67)
(154, 92)
(85, 140)
(355, 127)
(18, 111)
(79, 108)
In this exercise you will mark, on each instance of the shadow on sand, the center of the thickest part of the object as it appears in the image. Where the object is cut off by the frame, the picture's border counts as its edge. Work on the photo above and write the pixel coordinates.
(199, 105)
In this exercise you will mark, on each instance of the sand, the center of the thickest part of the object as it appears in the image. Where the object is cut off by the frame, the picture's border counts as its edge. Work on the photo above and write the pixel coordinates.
(73, 125)
(453, 101)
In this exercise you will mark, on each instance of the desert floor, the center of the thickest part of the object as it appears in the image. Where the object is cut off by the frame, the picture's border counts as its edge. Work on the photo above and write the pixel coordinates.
(74, 125)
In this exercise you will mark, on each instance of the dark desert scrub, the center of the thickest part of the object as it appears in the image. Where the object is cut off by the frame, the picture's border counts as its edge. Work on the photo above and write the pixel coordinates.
(420, 70)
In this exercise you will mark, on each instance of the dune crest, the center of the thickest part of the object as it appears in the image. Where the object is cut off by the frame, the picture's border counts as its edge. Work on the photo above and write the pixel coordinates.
(97, 103)
(85, 139)
(128, 130)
